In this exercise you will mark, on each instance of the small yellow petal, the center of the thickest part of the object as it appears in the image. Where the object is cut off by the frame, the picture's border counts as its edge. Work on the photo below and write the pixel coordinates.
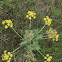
(47, 55)
(50, 57)
(45, 61)
(11, 55)
(28, 12)
(4, 51)
(6, 26)
(44, 18)
(55, 32)
(8, 61)
(50, 37)
(56, 39)
(11, 25)
(34, 17)
(3, 22)
(3, 59)
(34, 13)
(53, 39)
(50, 20)
(9, 58)
(47, 17)
(27, 16)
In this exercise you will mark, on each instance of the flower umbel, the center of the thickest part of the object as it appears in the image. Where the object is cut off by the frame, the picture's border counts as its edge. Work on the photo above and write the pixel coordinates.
(7, 23)
(6, 56)
(52, 34)
(30, 15)
(48, 58)
(47, 20)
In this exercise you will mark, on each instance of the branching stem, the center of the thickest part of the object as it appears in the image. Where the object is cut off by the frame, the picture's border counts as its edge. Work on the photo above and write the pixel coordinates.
(16, 49)
(42, 28)
(40, 53)
(16, 32)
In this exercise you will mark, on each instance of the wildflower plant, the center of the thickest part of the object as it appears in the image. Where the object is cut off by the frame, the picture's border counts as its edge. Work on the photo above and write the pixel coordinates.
(30, 40)
(6, 56)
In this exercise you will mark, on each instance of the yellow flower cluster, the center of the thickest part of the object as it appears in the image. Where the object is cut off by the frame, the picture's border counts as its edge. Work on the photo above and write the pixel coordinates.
(48, 58)
(31, 14)
(7, 23)
(52, 34)
(7, 56)
(47, 20)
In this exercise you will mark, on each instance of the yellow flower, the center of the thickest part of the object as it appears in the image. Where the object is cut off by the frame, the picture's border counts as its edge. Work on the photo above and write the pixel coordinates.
(50, 20)
(47, 17)
(3, 22)
(8, 23)
(6, 26)
(11, 55)
(27, 16)
(30, 15)
(11, 25)
(50, 37)
(47, 20)
(48, 59)
(34, 17)
(9, 58)
(56, 39)
(55, 32)
(3, 59)
(57, 36)
(8, 61)
(4, 51)
(34, 13)
(45, 61)
(6, 56)
(47, 55)
(53, 39)
(28, 12)
(52, 34)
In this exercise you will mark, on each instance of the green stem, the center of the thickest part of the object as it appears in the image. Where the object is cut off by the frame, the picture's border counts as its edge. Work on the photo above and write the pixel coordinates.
(16, 33)
(40, 53)
(42, 28)
(30, 25)
(16, 49)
